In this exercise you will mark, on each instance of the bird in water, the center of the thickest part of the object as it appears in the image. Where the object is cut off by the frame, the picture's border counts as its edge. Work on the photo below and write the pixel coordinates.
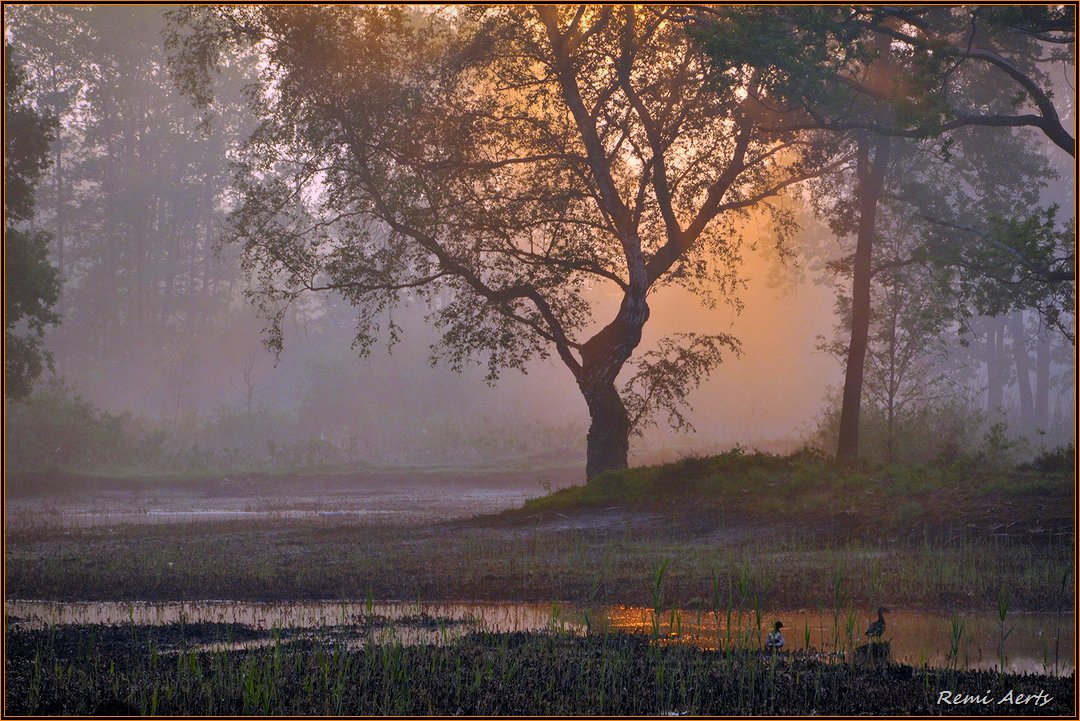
(774, 641)
(877, 628)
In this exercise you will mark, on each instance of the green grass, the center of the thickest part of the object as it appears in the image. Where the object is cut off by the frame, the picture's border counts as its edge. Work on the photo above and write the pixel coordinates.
(807, 486)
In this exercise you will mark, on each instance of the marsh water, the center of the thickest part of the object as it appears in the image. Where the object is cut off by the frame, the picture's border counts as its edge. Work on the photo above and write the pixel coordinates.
(1034, 643)
(415, 504)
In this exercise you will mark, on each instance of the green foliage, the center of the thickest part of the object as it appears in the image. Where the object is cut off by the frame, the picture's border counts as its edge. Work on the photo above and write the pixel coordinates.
(1012, 262)
(665, 376)
(1058, 21)
(998, 448)
(1058, 460)
(946, 66)
(804, 59)
(54, 429)
(31, 290)
(27, 134)
(31, 284)
(939, 431)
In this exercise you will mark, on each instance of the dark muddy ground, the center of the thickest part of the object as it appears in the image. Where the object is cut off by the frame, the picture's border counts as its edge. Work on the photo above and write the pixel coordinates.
(332, 559)
(140, 670)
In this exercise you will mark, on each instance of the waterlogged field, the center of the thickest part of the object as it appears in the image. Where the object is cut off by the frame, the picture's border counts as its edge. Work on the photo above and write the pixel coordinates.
(387, 497)
(1036, 643)
(608, 599)
(366, 668)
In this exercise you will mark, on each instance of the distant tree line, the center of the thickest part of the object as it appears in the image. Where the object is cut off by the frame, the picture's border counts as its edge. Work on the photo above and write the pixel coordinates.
(132, 199)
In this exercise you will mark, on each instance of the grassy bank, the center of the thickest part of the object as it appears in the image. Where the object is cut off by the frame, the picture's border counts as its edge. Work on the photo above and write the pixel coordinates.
(136, 670)
(806, 490)
(806, 532)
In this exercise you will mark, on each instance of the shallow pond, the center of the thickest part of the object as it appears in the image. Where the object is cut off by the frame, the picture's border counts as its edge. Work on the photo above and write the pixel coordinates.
(415, 505)
(1035, 643)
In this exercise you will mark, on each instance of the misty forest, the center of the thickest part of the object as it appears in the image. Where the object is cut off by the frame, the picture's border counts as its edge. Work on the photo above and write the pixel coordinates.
(519, 360)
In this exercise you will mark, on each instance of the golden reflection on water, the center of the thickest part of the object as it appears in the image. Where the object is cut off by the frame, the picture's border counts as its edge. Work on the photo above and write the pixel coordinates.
(1037, 643)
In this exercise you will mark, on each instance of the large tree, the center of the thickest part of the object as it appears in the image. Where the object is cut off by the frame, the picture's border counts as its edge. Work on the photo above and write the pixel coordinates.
(876, 74)
(31, 288)
(533, 173)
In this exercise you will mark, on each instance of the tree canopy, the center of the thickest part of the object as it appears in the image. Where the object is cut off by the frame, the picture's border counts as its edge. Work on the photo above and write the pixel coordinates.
(502, 164)
(875, 75)
(950, 66)
(31, 287)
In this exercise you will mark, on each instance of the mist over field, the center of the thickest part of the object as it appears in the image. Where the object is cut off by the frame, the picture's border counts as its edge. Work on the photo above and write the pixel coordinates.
(401, 408)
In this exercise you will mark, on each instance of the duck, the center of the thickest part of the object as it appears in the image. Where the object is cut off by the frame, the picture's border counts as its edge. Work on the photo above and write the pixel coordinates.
(877, 628)
(775, 640)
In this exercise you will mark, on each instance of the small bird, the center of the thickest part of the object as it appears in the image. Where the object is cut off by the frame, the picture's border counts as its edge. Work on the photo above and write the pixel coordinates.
(775, 640)
(877, 628)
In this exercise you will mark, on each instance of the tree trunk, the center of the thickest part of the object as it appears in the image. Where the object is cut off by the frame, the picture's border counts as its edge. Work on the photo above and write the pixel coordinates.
(1042, 382)
(58, 180)
(871, 177)
(609, 431)
(1023, 367)
(995, 370)
(602, 357)
(890, 434)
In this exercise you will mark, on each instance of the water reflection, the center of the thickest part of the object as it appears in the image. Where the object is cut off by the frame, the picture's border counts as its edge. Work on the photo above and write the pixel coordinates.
(1038, 643)
(110, 509)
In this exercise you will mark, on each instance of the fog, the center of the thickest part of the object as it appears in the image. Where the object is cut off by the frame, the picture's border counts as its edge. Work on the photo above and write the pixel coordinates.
(768, 397)
(155, 323)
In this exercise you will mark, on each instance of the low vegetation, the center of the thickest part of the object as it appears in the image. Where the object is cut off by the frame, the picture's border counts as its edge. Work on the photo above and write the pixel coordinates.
(178, 671)
(875, 501)
(54, 432)
(938, 537)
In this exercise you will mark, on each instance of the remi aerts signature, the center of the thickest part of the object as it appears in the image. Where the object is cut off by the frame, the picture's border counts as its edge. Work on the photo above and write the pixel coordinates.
(1011, 698)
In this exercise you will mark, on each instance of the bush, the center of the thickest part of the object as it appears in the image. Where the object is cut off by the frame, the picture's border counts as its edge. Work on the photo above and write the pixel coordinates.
(1059, 460)
(940, 432)
(54, 429)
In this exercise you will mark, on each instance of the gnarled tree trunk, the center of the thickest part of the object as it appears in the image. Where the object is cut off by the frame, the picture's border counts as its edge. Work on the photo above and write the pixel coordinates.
(609, 430)
(602, 357)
